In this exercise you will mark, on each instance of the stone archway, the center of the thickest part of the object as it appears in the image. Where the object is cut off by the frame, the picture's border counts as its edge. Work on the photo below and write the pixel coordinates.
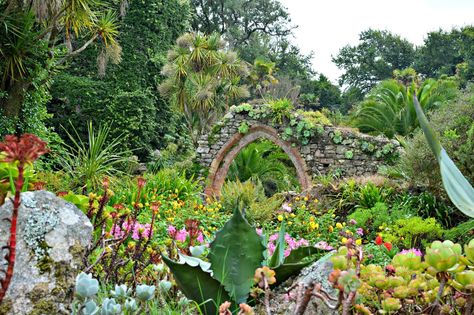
(220, 165)
(315, 148)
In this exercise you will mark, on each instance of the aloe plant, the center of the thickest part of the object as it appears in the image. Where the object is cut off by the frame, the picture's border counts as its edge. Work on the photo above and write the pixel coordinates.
(235, 254)
(457, 187)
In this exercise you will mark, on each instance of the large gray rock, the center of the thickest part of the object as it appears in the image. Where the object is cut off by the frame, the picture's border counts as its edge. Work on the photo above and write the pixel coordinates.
(52, 236)
(284, 303)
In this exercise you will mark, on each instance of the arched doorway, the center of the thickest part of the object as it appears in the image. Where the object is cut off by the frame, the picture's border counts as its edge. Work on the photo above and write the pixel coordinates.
(220, 165)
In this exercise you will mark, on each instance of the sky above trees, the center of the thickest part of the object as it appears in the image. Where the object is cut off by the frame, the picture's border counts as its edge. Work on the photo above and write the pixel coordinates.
(326, 26)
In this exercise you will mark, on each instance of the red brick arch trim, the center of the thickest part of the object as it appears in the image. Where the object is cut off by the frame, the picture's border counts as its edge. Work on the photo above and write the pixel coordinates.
(221, 163)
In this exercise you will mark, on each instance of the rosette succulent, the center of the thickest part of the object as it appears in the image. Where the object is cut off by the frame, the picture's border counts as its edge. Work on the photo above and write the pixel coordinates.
(443, 256)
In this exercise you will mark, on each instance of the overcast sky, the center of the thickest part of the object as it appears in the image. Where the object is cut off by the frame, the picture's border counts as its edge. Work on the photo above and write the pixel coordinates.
(325, 26)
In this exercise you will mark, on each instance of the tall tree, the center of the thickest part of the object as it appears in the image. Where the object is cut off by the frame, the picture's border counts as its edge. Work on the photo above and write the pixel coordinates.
(126, 95)
(238, 20)
(202, 79)
(375, 58)
(38, 36)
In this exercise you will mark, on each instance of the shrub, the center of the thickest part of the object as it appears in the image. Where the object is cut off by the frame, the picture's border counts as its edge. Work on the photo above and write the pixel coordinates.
(455, 127)
(251, 197)
(413, 232)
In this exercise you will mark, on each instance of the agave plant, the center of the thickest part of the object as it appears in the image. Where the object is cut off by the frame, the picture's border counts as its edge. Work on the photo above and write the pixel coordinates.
(235, 254)
(457, 187)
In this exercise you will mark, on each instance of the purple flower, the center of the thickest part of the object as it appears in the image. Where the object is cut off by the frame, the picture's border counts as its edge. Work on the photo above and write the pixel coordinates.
(353, 222)
(415, 251)
(271, 248)
(360, 231)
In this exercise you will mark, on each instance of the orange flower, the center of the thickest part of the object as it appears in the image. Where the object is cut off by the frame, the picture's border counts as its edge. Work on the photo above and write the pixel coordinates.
(378, 240)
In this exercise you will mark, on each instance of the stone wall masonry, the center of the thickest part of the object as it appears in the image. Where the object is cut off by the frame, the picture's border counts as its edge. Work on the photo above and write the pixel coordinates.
(332, 149)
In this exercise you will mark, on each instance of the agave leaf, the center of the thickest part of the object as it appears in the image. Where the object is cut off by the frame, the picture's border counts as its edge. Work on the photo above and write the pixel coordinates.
(235, 254)
(279, 253)
(301, 253)
(285, 271)
(198, 285)
(458, 188)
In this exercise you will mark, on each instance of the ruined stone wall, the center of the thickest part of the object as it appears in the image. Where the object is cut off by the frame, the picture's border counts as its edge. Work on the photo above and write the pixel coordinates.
(318, 149)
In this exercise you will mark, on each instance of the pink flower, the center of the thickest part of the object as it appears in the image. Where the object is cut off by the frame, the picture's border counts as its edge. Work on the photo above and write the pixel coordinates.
(273, 237)
(291, 241)
(116, 231)
(259, 231)
(415, 251)
(200, 238)
(147, 232)
(171, 231)
(323, 245)
(360, 231)
(271, 248)
(353, 222)
(181, 235)
(287, 252)
(286, 207)
(302, 242)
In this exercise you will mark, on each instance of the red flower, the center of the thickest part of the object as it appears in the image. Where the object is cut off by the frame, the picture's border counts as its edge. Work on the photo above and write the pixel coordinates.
(25, 149)
(388, 246)
(378, 240)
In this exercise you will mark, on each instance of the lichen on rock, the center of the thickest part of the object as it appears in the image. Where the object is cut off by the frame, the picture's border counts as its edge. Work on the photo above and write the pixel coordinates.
(51, 237)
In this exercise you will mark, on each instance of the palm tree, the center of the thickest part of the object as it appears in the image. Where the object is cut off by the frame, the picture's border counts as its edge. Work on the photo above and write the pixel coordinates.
(389, 108)
(264, 162)
(202, 79)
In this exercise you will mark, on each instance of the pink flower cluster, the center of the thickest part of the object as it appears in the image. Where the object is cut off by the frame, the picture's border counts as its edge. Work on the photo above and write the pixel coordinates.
(138, 230)
(415, 251)
(323, 245)
(181, 235)
(291, 242)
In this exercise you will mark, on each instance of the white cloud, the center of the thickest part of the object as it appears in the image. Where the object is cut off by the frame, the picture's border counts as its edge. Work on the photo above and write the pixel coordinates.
(325, 26)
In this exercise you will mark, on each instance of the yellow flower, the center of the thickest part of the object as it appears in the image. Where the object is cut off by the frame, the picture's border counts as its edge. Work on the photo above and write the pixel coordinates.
(315, 200)
(330, 229)
(311, 218)
(280, 218)
(358, 242)
(348, 232)
(344, 240)
(339, 225)
(290, 223)
(333, 215)
(381, 227)
(297, 198)
(292, 215)
(306, 199)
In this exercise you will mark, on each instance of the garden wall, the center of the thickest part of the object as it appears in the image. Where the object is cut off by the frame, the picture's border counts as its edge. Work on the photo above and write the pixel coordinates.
(313, 147)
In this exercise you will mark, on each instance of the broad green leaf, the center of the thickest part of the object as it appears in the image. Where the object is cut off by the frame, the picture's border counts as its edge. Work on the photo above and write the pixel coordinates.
(302, 252)
(458, 188)
(235, 254)
(279, 253)
(285, 271)
(198, 285)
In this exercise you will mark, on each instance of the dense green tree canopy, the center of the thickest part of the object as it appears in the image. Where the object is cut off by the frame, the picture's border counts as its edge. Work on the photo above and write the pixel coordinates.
(127, 94)
(377, 55)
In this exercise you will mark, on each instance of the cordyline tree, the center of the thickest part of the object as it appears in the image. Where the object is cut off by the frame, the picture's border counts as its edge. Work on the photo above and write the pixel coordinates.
(38, 36)
(202, 80)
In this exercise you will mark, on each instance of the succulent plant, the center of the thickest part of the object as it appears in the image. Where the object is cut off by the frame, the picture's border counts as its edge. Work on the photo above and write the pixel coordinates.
(409, 260)
(391, 305)
(235, 254)
(131, 305)
(110, 307)
(90, 308)
(164, 285)
(120, 291)
(145, 292)
(349, 280)
(86, 286)
(465, 279)
(469, 250)
(443, 256)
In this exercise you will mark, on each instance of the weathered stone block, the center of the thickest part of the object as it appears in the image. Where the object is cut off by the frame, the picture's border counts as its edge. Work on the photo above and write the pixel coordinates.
(52, 236)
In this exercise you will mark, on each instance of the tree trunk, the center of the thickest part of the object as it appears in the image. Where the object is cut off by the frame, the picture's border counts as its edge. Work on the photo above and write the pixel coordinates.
(12, 104)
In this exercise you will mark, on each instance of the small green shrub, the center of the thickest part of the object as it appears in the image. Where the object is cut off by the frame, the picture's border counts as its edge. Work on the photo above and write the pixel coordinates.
(243, 128)
(374, 217)
(281, 109)
(461, 233)
(413, 232)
